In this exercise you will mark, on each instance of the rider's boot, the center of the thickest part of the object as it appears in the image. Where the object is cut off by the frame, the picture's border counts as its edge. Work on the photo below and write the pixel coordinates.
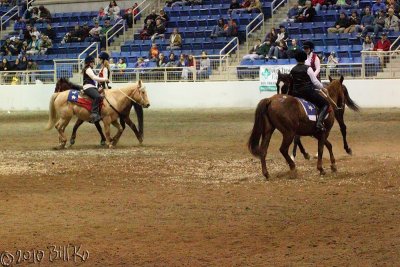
(95, 116)
(321, 118)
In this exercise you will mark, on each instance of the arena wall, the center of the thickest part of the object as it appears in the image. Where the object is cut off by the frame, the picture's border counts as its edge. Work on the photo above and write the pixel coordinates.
(367, 93)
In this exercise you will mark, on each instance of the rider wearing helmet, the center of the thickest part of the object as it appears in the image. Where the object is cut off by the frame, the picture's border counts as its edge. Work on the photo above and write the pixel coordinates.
(90, 89)
(105, 71)
(304, 82)
(312, 58)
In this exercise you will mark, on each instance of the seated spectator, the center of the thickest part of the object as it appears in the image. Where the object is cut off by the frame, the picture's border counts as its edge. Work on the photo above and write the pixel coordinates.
(161, 61)
(194, 2)
(368, 45)
(32, 66)
(383, 44)
(366, 20)
(353, 21)
(180, 3)
(5, 48)
(49, 31)
(112, 65)
(172, 62)
(192, 63)
(243, 7)
(153, 52)
(182, 63)
(45, 44)
(33, 46)
(24, 63)
(44, 15)
(282, 34)
(147, 31)
(163, 17)
(271, 36)
(391, 22)
(218, 30)
(101, 15)
(35, 32)
(205, 66)
(378, 5)
(5, 65)
(34, 15)
(175, 40)
(84, 34)
(255, 6)
(231, 29)
(234, 5)
(317, 4)
(15, 46)
(140, 63)
(113, 10)
(278, 51)
(341, 24)
(27, 33)
(152, 17)
(293, 48)
(306, 14)
(259, 50)
(121, 66)
(342, 4)
(159, 30)
(293, 12)
(19, 24)
(73, 36)
(376, 27)
(24, 48)
(94, 33)
(103, 33)
(130, 15)
(331, 64)
(393, 4)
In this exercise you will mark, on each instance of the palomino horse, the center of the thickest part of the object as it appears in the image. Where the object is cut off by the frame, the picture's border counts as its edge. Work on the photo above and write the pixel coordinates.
(285, 113)
(116, 101)
(64, 84)
(283, 86)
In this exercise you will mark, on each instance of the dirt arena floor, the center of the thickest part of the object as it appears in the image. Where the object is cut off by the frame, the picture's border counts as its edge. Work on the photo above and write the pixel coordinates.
(192, 195)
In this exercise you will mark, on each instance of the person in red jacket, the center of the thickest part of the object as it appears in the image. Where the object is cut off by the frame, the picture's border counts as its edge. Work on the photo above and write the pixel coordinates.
(317, 4)
(383, 44)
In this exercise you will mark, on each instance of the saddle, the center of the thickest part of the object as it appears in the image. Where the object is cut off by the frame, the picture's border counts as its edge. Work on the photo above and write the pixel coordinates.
(311, 110)
(80, 99)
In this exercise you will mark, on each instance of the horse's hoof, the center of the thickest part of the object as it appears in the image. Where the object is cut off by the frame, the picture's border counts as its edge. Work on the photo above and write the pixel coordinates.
(111, 146)
(333, 168)
(349, 151)
(266, 175)
(307, 156)
(72, 142)
(59, 147)
(322, 172)
(103, 142)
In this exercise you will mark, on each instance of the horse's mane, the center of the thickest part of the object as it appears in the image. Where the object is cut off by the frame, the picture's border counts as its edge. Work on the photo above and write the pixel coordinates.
(67, 85)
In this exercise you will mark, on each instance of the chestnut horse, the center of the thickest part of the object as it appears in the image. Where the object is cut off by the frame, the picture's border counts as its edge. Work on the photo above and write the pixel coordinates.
(283, 86)
(115, 101)
(64, 84)
(285, 113)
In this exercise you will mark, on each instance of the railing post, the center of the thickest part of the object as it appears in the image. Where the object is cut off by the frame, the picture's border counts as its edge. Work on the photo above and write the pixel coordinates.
(363, 64)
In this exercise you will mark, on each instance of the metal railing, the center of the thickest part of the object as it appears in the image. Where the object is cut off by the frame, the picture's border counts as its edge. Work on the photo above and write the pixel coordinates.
(224, 56)
(27, 77)
(144, 5)
(7, 16)
(250, 30)
(114, 30)
(275, 5)
(93, 48)
(380, 64)
(395, 42)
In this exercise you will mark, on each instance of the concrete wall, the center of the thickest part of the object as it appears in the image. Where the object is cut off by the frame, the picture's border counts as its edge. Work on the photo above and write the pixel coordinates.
(367, 93)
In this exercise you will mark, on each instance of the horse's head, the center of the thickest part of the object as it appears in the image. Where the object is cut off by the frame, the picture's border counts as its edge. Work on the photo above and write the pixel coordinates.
(142, 98)
(336, 90)
(283, 83)
(62, 85)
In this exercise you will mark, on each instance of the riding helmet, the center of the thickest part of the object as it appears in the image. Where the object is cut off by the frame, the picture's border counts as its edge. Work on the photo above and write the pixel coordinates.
(89, 59)
(308, 44)
(300, 56)
(104, 56)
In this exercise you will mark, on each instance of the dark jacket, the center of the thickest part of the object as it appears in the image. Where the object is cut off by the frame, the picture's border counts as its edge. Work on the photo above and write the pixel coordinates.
(343, 23)
(301, 80)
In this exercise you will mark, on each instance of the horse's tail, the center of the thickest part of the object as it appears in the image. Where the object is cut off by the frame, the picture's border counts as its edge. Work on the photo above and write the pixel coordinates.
(52, 114)
(349, 102)
(260, 122)
(139, 114)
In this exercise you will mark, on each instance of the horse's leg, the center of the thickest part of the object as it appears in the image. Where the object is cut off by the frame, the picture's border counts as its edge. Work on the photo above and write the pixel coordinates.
(332, 157)
(115, 139)
(100, 130)
(60, 126)
(107, 122)
(301, 147)
(339, 114)
(321, 143)
(130, 123)
(294, 150)
(284, 149)
(264, 148)
(74, 130)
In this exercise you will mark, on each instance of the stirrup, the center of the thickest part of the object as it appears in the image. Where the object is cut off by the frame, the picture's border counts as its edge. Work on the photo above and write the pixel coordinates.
(94, 117)
(320, 128)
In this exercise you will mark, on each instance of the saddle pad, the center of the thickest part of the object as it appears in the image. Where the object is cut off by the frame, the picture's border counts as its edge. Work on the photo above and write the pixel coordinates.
(74, 97)
(309, 108)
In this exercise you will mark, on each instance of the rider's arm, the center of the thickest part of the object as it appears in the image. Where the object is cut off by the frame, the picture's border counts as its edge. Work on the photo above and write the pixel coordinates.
(94, 77)
(314, 79)
(317, 66)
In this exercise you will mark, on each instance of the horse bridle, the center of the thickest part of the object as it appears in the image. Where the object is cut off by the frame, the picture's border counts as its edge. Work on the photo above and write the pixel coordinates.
(130, 98)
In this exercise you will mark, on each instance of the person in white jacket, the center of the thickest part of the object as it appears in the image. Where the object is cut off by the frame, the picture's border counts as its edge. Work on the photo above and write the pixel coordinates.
(113, 10)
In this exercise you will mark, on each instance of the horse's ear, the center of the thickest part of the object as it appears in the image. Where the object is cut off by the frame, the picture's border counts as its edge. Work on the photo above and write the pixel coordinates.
(330, 78)
(139, 83)
(341, 79)
(279, 72)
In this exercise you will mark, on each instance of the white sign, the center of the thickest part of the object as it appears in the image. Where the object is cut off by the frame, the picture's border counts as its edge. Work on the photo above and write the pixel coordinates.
(269, 76)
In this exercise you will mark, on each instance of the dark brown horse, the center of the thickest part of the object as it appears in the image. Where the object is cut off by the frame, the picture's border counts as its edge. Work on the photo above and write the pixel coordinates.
(283, 86)
(285, 113)
(64, 84)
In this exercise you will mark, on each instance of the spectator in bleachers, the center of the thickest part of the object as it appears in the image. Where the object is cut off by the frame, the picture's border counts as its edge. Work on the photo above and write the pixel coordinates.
(152, 17)
(103, 32)
(377, 26)
(32, 65)
(35, 32)
(353, 21)
(5, 65)
(113, 10)
(24, 63)
(231, 28)
(172, 62)
(163, 17)
(317, 4)
(34, 15)
(243, 7)
(94, 33)
(367, 45)
(341, 24)
(218, 30)
(27, 33)
(147, 31)
(33, 46)
(255, 6)
(45, 44)
(205, 65)
(383, 44)
(72, 36)
(5, 48)
(49, 31)
(179, 3)
(128, 17)
(159, 30)
(121, 66)
(112, 65)
(135, 11)
(84, 32)
(306, 14)
(101, 15)
(195, 2)
(366, 20)
(378, 5)
(182, 63)
(192, 63)
(312, 58)
(278, 51)
(44, 15)
(293, 48)
(393, 4)
(24, 48)
(259, 50)
(175, 40)
(15, 46)
(153, 52)
(293, 12)
(272, 36)
(19, 24)
(140, 63)
(234, 5)
(392, 21)
(331, 64)
(343, 4)
(161, 61)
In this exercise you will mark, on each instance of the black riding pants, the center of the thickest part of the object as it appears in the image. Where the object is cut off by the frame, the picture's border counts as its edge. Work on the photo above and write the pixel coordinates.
(94, 94)
(313, 96)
